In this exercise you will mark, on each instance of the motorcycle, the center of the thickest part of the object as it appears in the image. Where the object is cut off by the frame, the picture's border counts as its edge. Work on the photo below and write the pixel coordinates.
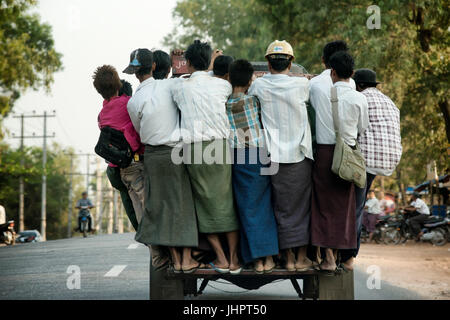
(84, 224)
(378, 234)
(435, 229)
(7, 233)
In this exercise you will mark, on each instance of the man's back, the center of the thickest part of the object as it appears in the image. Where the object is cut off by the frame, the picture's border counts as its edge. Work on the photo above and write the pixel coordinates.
(284, 116)
(201, 100)
(381, 143)
(154, 113)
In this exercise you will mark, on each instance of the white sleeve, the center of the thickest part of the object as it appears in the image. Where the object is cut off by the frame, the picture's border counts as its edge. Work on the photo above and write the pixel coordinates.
(133, 112)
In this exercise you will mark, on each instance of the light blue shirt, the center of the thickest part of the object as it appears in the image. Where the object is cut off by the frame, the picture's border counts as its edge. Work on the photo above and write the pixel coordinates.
(284, 116)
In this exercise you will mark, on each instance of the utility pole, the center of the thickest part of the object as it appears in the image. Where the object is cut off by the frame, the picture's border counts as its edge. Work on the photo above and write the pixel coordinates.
(69, 212)
(44, 174)
(99, 194)
(21, 184)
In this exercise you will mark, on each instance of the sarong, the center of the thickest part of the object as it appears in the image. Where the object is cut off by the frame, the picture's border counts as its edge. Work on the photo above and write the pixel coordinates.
(291, 189)
(211, 186)
(169, 218)
(333, 219)
(252, 194)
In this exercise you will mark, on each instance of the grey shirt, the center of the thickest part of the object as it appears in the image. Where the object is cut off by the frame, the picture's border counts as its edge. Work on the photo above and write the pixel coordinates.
(84, 203)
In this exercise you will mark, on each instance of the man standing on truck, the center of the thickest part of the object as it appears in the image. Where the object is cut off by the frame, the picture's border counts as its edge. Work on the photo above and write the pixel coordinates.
(380, 145)
(289, 142)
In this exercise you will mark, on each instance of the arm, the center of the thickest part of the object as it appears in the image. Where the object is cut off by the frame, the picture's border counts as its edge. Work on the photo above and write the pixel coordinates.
(215, 54)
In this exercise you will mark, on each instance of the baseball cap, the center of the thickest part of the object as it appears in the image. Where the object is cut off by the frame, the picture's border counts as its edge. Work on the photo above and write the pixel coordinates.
(139, 58)
(280, 48)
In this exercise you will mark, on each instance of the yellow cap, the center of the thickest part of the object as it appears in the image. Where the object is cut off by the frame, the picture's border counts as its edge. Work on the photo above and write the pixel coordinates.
(280, 47)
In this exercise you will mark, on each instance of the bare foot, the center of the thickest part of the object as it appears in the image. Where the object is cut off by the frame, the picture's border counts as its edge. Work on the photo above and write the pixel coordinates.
(290, 260)
(269, 265)
(259, 266)
(348, 265)
(304, 265)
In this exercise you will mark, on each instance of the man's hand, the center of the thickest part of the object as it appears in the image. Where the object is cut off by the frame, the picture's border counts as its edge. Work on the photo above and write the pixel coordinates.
(176, 52)
(214, 55)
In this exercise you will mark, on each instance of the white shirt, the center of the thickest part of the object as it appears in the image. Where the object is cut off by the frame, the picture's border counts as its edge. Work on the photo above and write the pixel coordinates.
(421, 206)
(352, 110)
(284, 116)
(2, 215)
(320, 95)
(373, 206)
(154, 113)
(201, 100)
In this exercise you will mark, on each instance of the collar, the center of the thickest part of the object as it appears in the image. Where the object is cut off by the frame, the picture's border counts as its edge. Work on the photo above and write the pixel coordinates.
(370, 89)
(237, 95)
(145, 83)
(343, 84)
(199, 73)
(276, 75)
(326, 72)
(106, 102)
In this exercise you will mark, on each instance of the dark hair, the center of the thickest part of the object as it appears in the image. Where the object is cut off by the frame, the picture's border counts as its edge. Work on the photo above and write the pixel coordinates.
(107, 81)
(364, 86)
(126, 89)
(331, 48)
(279, 64)
(162, 61)
(342, 62)
(199, 55)
(241, 72)
(221, 65)
(144, 71)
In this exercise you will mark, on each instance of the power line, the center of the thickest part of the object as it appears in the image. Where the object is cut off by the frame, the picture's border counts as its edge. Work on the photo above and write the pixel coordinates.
(22, 137)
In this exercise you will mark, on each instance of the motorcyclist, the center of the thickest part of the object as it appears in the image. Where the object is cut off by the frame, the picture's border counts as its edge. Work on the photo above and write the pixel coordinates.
(84, 205)
(419, 213)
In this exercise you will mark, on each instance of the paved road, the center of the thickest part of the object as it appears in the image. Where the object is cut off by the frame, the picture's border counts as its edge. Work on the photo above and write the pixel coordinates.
(116, 267)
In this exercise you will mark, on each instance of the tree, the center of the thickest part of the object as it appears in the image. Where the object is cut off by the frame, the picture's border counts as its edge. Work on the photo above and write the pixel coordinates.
(410, 53)
(229, 24)
(28, 58)
(57, 187)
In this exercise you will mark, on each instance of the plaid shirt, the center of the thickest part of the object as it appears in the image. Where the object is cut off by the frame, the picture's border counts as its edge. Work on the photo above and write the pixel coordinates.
(381, 143)
(244, 114)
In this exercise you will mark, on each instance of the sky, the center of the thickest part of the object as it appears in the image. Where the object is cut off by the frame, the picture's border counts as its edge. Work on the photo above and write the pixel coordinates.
(89, 33)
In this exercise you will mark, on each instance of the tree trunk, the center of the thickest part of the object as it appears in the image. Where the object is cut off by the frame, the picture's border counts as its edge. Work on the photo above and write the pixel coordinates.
(445, 109)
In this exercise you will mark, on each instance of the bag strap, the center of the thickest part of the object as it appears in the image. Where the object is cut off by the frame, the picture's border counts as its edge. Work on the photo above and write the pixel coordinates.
(334, 109)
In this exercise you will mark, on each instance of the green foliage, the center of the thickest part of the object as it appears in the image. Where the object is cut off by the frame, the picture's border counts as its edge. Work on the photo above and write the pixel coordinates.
(57, 187)
(27, 55)
(410, 54)
(230, 25)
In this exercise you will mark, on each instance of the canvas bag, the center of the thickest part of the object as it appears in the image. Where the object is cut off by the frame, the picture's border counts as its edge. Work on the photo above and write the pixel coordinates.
(348, 162)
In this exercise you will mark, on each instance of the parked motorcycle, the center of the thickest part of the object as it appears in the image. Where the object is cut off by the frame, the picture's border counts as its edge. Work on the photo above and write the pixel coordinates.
(435, 230)
(378, 234)
(7, 233)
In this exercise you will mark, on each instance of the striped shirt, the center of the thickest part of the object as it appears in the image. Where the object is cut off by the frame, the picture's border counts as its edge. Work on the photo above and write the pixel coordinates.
(244, 114)
(201, 100)
(284, 116)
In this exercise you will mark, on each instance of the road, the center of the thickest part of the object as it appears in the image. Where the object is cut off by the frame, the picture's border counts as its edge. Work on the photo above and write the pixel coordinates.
(116, 267)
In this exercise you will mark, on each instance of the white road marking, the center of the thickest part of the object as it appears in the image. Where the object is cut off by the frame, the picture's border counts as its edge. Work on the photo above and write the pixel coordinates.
(133, 246)
(115, 271)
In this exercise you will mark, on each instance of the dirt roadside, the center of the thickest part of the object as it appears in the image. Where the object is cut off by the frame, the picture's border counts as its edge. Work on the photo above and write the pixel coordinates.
(419, 267)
